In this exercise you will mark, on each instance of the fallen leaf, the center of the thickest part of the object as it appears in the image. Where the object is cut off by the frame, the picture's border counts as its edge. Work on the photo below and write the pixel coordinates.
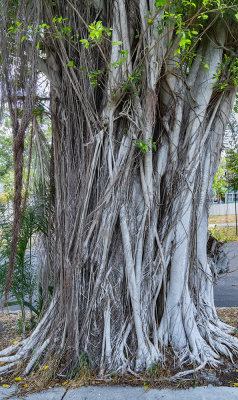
(6, 386)
(18, 379)
(64, 383)
(46, 367)
(16, 341)
(234, 383)
(25, 385)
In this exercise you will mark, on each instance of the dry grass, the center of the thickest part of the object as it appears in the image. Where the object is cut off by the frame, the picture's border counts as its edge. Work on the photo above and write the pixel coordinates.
(229, 316)
(10, 329)
(221, 219)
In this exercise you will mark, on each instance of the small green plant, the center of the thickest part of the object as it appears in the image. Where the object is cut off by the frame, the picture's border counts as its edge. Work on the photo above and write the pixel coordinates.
(153, 370)
(145, 146)
(205, 65)
(121, 61)
(24, 325)
(194, 376)
(38, 305)
(71, 64)
(195, 384)
(224, 233)
(81, 368)
(134, 79)
(227, 74)
(97, 33)
(180, 383)
(93, 76)
(24, 280)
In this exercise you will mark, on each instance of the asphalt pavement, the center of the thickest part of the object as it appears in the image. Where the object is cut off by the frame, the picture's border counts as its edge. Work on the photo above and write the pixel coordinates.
(226, 289)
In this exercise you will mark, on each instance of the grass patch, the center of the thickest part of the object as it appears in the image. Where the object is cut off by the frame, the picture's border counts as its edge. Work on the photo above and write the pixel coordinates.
(221, 219)
(224, 233)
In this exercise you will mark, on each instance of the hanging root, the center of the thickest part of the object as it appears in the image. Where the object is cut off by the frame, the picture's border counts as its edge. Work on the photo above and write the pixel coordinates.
(36, 343)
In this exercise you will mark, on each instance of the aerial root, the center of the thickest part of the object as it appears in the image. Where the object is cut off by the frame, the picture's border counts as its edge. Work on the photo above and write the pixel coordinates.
(6, 368)
(23, 353)
(36, 356)
(180, 375)
(24, 348)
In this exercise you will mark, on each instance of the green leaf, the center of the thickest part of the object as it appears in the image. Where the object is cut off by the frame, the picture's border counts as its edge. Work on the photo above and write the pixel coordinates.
(38, 45)
(236, 15)
(23, 38)
(31, 307)
(117, 43)
(160, 3)
(71, 64)
(85, 42)
(154, 146)
(184, 41)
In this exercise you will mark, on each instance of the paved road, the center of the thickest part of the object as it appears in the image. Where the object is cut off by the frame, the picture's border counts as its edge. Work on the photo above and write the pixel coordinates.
(128, 393)
(226, 290)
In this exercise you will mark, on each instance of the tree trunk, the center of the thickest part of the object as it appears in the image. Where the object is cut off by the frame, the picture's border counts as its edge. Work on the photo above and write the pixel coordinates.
(131, 275)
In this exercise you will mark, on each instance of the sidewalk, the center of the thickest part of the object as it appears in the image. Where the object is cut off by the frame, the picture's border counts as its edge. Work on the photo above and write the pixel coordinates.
(126, 393)
(226, 224)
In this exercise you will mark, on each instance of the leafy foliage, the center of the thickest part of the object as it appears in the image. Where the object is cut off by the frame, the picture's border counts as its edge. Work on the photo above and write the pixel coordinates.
(24, 278)
(145, 146)
(232, 169)
(220, 184)
(224, 234)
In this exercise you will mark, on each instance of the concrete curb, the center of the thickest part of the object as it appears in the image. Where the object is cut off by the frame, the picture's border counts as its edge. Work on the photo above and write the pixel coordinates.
(127, 393)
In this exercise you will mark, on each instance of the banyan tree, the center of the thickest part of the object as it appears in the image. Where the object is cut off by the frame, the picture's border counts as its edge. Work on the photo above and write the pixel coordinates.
(140, 95)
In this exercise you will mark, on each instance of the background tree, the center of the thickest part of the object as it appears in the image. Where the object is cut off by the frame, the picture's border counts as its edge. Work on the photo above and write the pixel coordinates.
(141, 93)
(232, 168)
(219, 184)
(232, 175)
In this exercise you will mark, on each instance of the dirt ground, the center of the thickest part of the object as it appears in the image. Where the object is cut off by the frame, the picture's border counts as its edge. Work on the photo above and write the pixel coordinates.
(226, 374)
(11, 328)
(229, 316)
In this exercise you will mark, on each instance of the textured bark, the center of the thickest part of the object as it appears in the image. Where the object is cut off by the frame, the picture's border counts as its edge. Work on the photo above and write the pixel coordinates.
(130, 264)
